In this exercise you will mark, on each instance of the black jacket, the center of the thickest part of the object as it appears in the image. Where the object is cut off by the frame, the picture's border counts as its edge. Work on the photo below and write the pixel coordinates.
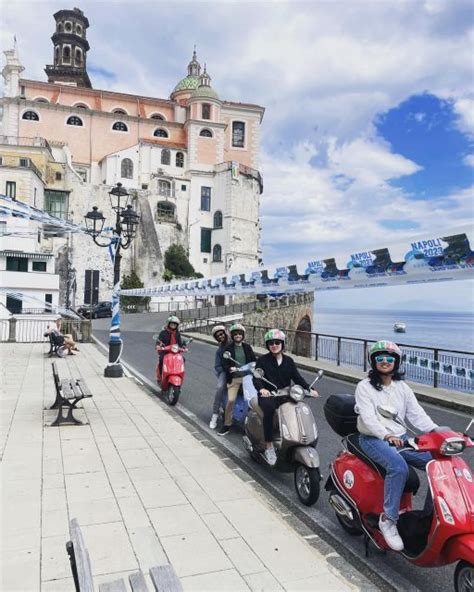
(281, 376)
(165, 338)
(228, 364)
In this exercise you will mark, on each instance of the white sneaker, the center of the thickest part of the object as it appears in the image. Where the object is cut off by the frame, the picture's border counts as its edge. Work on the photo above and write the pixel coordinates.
(390, 533)
(270, 456)
(213, 422)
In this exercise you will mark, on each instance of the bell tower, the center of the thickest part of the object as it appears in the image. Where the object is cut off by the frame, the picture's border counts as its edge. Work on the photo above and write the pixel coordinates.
(70, 49)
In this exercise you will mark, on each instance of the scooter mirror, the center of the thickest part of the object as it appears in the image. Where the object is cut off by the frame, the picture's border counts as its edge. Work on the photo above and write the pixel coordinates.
(258, 373)
(466, 431)
(387, 412)
(226, 355)
(155, 337)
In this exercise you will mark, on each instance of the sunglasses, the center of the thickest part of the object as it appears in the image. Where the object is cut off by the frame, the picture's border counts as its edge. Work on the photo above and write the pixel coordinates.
(220, 334)
(274, 342)
(388, 359)
(237, 333)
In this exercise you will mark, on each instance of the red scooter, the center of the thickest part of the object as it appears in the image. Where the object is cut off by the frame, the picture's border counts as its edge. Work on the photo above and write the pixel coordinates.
(431, 538)
(171, 379)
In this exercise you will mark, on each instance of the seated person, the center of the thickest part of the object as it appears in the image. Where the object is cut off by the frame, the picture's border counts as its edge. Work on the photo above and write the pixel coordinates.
(281, 370)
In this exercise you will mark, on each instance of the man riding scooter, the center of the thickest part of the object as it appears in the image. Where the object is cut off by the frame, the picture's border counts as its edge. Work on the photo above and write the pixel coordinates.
(169, 335)
(280, 370)
(380, 437)
(219, 332)
(242, 353)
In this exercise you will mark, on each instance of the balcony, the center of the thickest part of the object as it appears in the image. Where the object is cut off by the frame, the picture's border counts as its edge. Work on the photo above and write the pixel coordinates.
(36, 142)
(31, 280)
(23, 163)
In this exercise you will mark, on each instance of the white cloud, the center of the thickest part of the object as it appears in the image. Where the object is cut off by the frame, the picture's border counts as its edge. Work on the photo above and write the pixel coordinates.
(469, 160)
(464, 109)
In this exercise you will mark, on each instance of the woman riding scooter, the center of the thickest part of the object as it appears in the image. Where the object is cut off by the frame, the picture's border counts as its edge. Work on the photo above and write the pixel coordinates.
(380, 437)
(281, 370)
(219, 332)
(168, 336)
(242, 353)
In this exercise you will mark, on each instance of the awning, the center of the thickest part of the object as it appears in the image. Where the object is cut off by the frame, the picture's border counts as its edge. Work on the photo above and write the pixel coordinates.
(26, 255)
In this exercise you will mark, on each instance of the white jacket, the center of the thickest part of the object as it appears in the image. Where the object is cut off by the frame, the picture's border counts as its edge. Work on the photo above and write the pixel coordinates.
(398, 396)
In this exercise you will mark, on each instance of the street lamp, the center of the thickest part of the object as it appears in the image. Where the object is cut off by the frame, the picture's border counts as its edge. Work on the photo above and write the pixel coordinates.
(126, 223)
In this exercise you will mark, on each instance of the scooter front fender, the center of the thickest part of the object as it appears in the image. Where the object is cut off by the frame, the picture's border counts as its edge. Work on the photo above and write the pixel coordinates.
(459, 547)
(175, 380)
(306, 455)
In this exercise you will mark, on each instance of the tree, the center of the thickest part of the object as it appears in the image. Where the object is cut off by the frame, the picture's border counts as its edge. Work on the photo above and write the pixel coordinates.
(177, 264)
(132, 302)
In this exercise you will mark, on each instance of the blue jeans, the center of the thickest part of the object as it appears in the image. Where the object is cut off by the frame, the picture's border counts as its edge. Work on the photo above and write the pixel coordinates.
(395, 464)
(221, 389)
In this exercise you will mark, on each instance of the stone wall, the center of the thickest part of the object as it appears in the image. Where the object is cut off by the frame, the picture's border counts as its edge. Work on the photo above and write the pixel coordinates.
(295, 320)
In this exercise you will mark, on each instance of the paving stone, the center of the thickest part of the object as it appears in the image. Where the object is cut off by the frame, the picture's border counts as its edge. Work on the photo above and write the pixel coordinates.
(221, 581)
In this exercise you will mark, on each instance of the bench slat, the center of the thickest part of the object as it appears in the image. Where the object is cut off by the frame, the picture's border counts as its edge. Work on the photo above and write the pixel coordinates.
(83, 387)
(76, 391)
(81, 554)
(67, 390)
(138, 582)
(164, 579)
(115, 586)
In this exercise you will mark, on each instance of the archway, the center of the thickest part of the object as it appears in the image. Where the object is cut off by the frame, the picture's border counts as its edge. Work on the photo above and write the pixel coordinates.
(302, 344)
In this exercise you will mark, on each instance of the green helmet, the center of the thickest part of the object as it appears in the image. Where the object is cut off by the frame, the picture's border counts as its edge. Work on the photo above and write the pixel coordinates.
(275, 334)
(387, 347)
(237, 327)
(172, 319)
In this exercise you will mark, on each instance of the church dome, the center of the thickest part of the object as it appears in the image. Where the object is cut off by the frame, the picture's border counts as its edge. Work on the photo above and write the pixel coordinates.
(204, 92)
(189, 83)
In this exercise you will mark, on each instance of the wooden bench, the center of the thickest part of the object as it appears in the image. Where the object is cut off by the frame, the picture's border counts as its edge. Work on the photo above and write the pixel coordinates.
(69, 392)
(56, 346)
(163, 577)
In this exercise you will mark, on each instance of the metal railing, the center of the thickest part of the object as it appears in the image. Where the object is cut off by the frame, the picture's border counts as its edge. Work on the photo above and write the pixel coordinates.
(24, 141)
(437, 367)
(24, 330)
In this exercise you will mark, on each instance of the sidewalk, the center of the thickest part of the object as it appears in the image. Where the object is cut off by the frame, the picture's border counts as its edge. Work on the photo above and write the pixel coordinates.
(144, 488)
(438, 396)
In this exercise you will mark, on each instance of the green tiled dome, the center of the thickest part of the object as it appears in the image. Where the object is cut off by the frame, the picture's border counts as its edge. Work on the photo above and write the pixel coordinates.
(204, 91)
(189, 83)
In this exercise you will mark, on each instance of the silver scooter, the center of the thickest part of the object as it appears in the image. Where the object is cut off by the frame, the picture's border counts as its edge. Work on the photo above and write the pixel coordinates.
(295, 437)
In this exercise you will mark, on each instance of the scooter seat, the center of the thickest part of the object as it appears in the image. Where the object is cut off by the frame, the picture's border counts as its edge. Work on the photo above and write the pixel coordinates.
(413, 482)
(256, 407)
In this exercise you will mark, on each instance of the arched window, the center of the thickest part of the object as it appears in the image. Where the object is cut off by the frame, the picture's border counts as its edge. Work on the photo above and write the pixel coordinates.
(120, 111)
(160, 133)
(157, 116)
(164, 188)
(60, 27)
(79, 30)
(41, 100)
(68, 26)
(127, 168)
(179, 160)
(78, 57)
(74, 120)
(30, 115)
(56, 54)
(165, 211)
(165, 156)
(217, 253)
(81, 106)
(218, 219)
(120, 126)
(66, 53)
(205, 133)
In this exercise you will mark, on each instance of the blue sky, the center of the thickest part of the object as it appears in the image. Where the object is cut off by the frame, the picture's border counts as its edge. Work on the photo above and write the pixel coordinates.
(369, 120)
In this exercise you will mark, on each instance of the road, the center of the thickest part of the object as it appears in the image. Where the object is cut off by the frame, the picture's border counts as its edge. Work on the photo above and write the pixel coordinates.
(197, 397)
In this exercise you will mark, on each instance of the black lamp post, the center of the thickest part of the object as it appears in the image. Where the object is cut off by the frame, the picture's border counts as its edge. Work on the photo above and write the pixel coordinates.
(126, 223)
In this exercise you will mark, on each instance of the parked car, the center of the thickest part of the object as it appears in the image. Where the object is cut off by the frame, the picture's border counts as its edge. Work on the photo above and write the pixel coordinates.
(99, 310)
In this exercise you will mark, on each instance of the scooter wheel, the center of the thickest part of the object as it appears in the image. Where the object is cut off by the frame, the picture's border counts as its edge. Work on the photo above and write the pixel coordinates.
(173, 395)
(307, 480)
(464, 577)
(350, 526)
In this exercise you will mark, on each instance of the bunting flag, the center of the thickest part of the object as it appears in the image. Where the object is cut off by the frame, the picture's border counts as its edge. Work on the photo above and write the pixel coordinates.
(427, 259)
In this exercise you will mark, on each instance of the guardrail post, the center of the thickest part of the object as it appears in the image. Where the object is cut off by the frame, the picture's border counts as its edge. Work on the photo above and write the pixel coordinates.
(86, 330)
(338, 351)
(12, 330)
(435, 373)
(364, 355)
(316, 346)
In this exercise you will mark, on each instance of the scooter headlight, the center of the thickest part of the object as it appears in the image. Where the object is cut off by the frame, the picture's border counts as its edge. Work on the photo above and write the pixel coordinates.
(297, 392)
(452, 446)
(175, 348)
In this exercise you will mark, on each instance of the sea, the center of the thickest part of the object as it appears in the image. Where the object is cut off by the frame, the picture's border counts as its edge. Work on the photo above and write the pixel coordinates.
(443, 330)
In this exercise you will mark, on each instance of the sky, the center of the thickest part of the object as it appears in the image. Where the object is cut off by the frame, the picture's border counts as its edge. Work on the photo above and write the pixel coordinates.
(368, 134)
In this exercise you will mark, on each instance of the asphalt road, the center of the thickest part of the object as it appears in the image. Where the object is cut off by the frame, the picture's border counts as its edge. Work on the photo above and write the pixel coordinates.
(197, 397)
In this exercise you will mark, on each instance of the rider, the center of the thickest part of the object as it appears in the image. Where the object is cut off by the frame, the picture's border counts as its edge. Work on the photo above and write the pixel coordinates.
(169, 336)
(219, 332)
(243, 354)
(281, 370)
(380, 437)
